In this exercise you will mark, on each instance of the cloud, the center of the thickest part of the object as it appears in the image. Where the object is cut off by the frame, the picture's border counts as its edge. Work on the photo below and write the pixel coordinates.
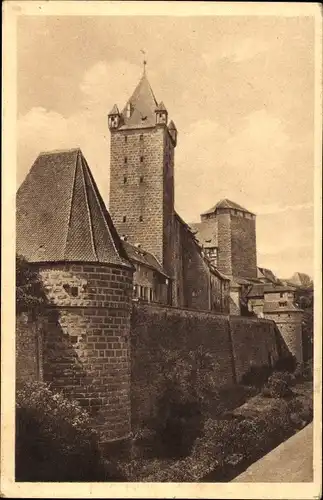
(43, 130)
(275, 208)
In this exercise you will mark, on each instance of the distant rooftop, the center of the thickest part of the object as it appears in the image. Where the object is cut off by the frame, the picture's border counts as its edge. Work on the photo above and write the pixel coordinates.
(225, 203)
(61, 216)
(140, 255)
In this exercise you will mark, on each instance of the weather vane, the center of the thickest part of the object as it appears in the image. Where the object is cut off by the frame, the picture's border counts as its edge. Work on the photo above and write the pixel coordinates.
(144, 61)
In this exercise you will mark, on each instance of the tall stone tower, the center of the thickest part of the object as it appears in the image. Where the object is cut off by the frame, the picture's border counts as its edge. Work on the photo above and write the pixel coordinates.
(142, 172)
(235, 228)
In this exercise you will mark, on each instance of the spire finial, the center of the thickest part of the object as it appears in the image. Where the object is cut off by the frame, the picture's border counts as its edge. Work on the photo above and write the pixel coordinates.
(144, 62)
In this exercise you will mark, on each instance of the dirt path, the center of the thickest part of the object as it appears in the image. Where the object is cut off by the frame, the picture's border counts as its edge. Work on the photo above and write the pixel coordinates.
(290, 462)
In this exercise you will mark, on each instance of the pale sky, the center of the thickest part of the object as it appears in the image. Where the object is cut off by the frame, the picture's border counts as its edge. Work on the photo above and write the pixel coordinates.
(239, 89)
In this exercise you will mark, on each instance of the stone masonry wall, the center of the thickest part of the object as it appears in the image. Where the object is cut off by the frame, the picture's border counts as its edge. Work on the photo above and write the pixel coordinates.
(289, 325)
(224, 241)
(86, 341)
(137, 179)
(253, 341)
(234, 343)
(243, 247)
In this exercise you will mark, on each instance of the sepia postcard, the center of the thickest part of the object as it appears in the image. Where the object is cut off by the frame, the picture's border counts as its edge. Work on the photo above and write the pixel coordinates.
(161, 250)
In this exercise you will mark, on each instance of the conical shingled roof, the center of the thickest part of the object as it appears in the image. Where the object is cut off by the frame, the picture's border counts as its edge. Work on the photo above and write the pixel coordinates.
(143, 105)
(161, 107)
(172, 126)
(226, 204)
(114, 110)
(60, 215)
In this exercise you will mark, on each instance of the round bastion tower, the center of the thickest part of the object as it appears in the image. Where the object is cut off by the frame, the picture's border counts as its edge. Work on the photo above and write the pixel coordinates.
(64, 229)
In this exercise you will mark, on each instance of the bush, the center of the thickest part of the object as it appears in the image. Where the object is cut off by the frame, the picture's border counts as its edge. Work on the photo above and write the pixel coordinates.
(278, 385)
(54, 439)
(256, 376)
(304, 371)
(286, 364)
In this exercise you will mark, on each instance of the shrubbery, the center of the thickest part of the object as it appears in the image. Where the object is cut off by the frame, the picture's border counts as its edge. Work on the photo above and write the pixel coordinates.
(278, 385)
(54, 439)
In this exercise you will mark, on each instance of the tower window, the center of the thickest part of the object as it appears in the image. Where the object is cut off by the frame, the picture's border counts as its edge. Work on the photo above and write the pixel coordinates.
(124, 179)
(125, 159)
(141, 137)
(141, 218)
(125, 138)
(141, 159)
(141, 180)
(124, 218)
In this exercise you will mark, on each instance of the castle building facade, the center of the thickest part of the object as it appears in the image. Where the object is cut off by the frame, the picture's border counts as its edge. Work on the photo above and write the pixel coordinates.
(143, 143)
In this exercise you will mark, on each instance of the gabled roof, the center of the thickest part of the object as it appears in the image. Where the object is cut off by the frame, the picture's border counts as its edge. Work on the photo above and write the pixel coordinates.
(61, 216)
(205, 233)
(143, 105)
(140, 255)
(225, 203)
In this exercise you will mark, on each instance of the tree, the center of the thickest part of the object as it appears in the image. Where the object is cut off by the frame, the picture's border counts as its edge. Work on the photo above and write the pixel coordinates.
(30, 294)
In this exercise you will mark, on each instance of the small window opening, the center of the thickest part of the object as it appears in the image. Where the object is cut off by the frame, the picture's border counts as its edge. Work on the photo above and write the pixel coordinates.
(125, 138)
(141, 159)
(141, 137)
(125, 159)
(124, 218)
(141, 179)
(124, 179)
(141, 218)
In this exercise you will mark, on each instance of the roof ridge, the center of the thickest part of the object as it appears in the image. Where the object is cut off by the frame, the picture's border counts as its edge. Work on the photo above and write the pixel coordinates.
(55, 151)
(71, 205)
(111, 230)
(88, 210)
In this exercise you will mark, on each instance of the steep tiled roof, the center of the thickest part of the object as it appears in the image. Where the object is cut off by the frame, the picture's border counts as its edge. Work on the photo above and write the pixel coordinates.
(270, 288)
(257, 290)
(205, 233)
(143, 105)
(142, 256)
(61, 215)
(264, 273)
(226, 204)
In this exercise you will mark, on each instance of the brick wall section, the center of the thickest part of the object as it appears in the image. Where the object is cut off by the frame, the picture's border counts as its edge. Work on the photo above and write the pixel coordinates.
(224, 241)
(228, 340)
(28, 349)
(253, 341)
(243, 246)
(86, 341)
(154, 328)
(289, 325)
(148, 191)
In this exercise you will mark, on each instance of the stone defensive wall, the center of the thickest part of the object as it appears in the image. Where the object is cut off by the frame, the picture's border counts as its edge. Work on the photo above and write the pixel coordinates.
(107, 352)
